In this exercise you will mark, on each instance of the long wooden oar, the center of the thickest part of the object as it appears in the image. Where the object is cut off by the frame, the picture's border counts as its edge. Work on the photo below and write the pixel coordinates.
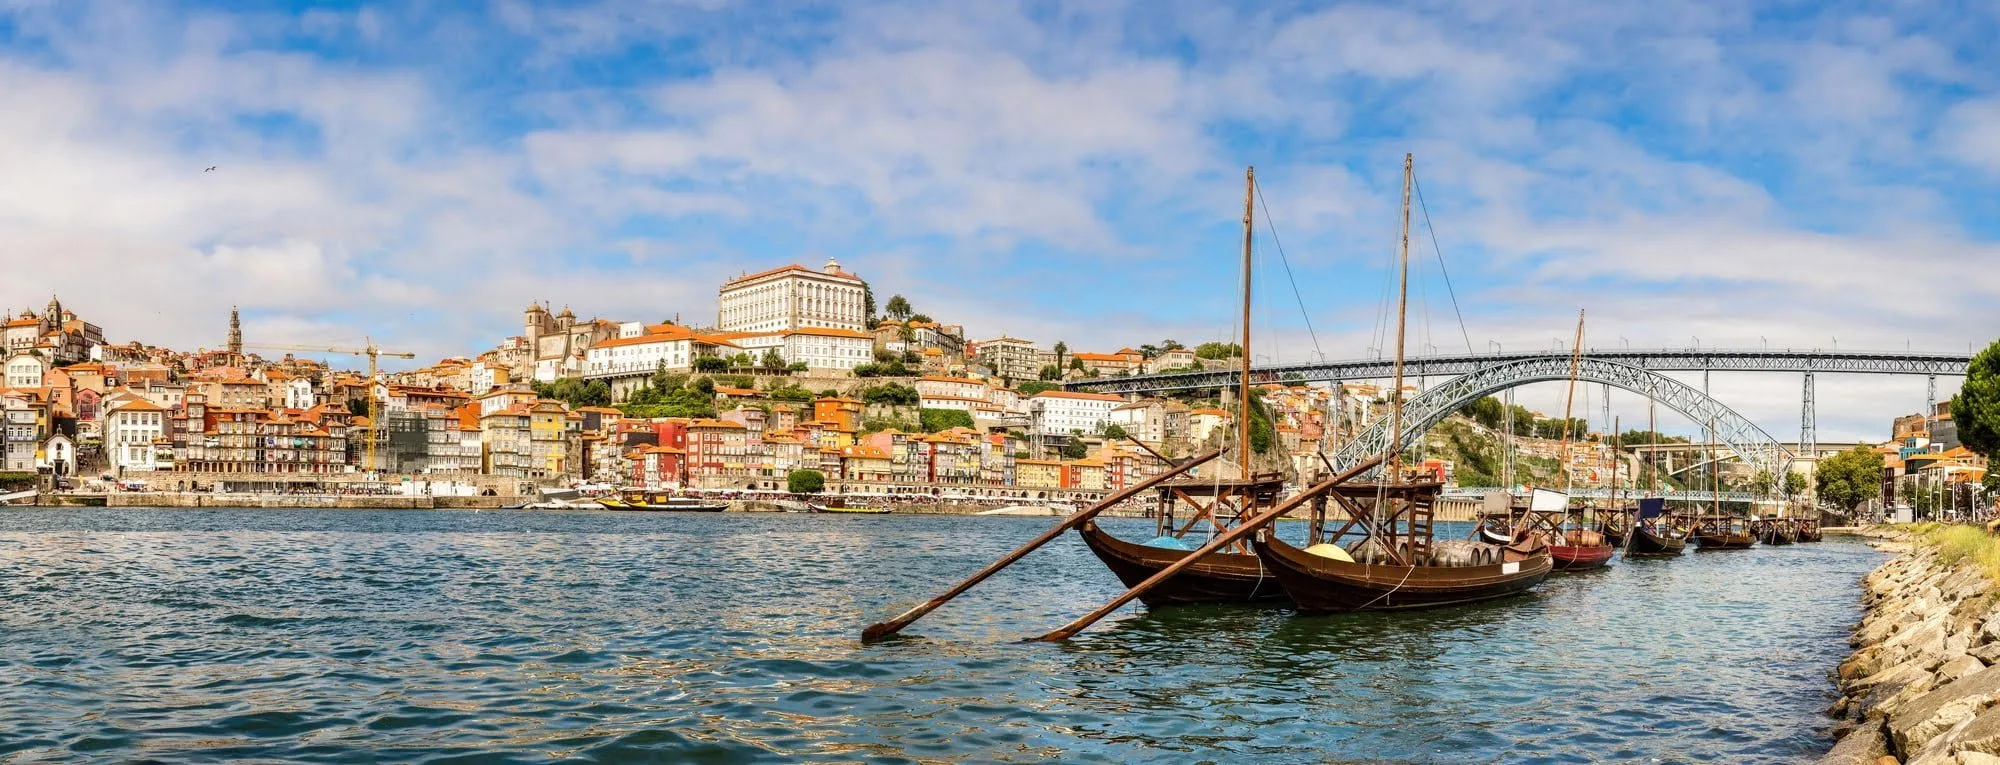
(890, 627)
(1223, 540)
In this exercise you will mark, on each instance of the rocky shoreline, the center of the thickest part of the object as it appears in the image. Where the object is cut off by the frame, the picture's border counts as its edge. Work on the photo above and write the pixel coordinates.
(1923, 684)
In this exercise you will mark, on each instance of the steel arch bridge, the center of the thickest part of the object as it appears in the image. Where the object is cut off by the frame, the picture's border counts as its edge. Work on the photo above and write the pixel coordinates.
(1448, 365)
(1743, 437)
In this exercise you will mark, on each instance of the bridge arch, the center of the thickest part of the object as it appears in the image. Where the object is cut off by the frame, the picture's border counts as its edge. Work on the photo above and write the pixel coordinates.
(1420, 414)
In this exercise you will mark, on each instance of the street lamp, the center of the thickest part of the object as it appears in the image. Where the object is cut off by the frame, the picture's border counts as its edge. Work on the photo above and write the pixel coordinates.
(1697, 342)
(1496, 346)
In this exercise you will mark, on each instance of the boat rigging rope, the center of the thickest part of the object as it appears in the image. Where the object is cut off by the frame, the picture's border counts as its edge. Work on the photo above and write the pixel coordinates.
(1428, 226)
(1288, 269)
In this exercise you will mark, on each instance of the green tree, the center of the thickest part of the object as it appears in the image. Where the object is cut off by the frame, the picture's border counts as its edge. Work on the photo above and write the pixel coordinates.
(805, 482)
(1076, 364)
(1762, 483)
(796, 366)
(773, 361)
(791, 392)
(710, 364)
(1976, 408)
(1487, 411)
(1850, 478)
(935, 420)
(1795, 483)
(1061, 349)
(922, 318)
(890, 394)
(897, 308)
(1074, 449)
(1218, 351)
(1114, 430)
(1050, 372)
(868, 303)
(1033, 387)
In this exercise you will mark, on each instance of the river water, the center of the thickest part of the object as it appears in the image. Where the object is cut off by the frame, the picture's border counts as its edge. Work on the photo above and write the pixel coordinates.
(356, 636)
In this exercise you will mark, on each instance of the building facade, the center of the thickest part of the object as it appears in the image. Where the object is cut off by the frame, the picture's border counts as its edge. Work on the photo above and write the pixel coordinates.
(791, 298)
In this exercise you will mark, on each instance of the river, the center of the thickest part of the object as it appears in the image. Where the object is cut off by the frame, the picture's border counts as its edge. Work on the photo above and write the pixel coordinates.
(444, 636)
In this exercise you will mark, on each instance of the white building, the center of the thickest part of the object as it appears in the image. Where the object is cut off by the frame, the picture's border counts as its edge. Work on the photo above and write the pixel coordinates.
(816, 347)
(131, 429)
(25, 370)
(298, 394)
(1055, 412)
(791, 298)
(628, 363)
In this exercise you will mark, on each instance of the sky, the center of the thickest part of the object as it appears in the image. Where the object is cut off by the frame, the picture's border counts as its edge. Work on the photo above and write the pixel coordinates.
(1730, 174)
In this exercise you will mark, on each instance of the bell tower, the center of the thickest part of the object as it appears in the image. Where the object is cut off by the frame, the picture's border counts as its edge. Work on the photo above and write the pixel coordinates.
(235, 333)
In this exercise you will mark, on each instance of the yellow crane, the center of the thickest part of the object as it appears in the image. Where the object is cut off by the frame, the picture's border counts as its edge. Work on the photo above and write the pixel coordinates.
(370, 350)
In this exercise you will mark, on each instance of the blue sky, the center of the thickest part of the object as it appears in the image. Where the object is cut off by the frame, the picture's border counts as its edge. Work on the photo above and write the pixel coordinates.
(1790, 173)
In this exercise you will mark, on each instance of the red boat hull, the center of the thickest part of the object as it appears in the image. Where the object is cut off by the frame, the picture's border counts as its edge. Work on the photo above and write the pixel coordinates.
(1579, 558)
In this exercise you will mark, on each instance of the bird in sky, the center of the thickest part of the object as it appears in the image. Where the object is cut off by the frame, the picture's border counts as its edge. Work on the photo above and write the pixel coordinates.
(211, 169)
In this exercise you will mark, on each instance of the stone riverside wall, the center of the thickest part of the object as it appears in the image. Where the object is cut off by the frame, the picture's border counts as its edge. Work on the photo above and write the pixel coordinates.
(1923, 685)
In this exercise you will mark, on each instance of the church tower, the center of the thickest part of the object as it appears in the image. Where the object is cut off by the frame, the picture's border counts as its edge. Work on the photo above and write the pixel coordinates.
(235, 333)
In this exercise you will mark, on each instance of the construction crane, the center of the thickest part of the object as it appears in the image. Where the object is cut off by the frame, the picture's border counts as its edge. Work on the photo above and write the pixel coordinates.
(370, 350)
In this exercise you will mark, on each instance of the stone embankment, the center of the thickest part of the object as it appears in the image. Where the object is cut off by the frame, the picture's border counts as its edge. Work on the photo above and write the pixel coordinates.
(1923, 684)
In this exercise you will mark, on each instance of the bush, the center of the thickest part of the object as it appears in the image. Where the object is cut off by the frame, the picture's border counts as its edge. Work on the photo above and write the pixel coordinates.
(890, 394)
(805, 482)
(934, 420)
(1958, 543)
(1033, 387)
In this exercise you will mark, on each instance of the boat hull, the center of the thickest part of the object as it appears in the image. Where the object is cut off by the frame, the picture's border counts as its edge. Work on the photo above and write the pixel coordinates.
(640, 507)
(1775, 537)
(1580, 557)
(1218, 578)
(1323, 585)
(1648, 544)
(1724, 541)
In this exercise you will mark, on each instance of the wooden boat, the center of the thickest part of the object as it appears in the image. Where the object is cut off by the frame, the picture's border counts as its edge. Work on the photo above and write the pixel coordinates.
(1218, 578)
(1776, 532)
(1615, 525)
(1232, 574)
(1414, 577)
(1723, 532)
(1571, 549)
(1656, 533)
(1396, 563)
(1809, 530)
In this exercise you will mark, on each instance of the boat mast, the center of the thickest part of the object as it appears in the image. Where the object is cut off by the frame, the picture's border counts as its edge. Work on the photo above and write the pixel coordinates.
(1402, 306)
(1243, 395)
(1569, 406)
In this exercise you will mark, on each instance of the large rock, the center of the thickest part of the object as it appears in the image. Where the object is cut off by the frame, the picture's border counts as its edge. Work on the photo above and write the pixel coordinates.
(1913, 727)
(1959, 667)
(1864, 746)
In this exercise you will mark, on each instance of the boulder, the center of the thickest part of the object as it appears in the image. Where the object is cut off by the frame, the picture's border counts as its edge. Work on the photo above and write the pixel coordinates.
(1864, 746)
(1914, 726)
(1959, 667)
(1981, 738)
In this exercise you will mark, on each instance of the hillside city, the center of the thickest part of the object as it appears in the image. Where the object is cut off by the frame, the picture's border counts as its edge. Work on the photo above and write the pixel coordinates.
(800, 371)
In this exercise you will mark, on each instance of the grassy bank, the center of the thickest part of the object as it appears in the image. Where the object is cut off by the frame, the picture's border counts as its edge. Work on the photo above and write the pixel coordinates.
(1955, 543)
